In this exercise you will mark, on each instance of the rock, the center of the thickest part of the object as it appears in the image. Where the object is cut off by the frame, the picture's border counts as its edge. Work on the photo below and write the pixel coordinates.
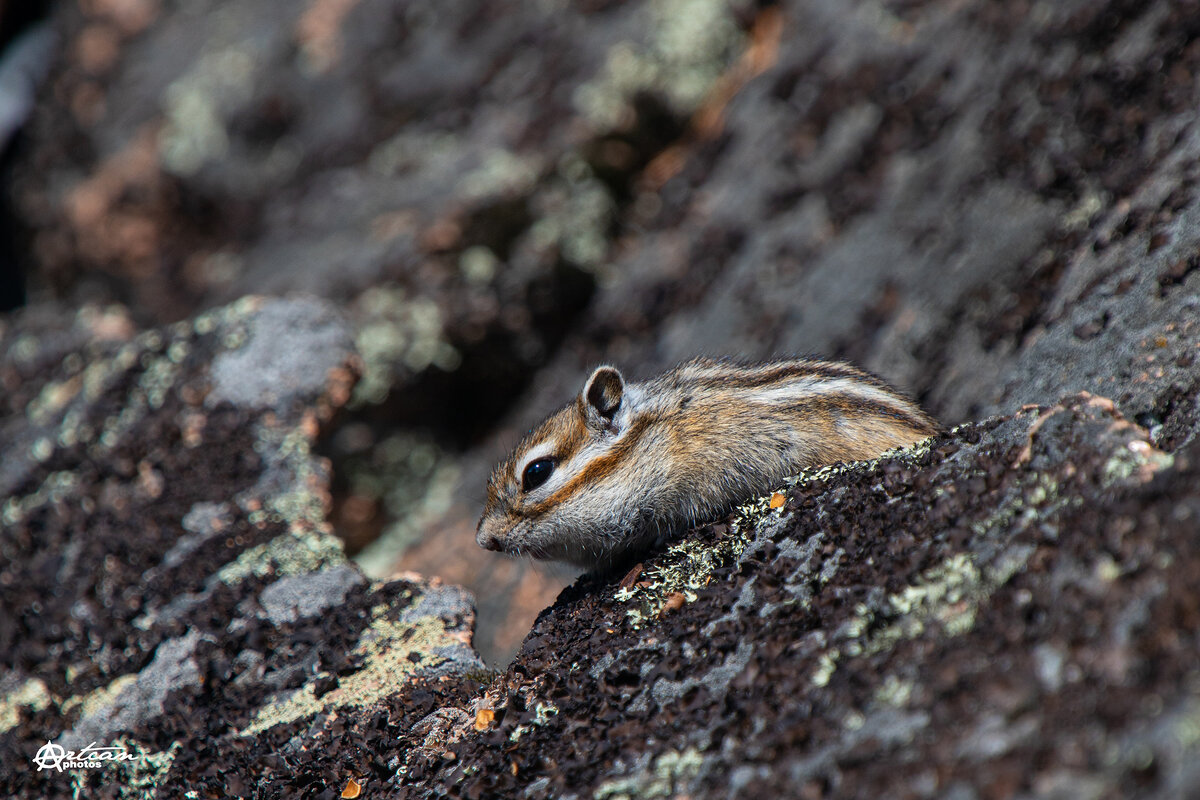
(171, 584)
(289, 348)
(303, 596)
(917, 191)
(990, 206)
(991, 609)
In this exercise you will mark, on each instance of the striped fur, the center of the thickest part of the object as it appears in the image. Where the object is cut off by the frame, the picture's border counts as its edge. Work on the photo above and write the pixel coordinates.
(682, 448)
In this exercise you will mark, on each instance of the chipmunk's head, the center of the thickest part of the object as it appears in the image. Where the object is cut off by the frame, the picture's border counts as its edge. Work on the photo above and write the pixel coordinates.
(561, 494)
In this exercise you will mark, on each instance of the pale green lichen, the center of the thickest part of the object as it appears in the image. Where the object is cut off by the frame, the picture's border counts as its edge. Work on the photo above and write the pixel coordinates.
(397, 331)
(690, 44)
(293, 553)
(1186, 729)
(385, 647)
(501, 172)
(1107, 570)
(297, 505)
(32, 694)
(55, 395)
(434, 151)
(42, 449)
(478, 265)
(543, 711)
(949, 593)
(195, 105)
(574, 212)
(669, 775)
(25, 348)
(826, 666)
(57, 487)
(413, 479)
(894, 692)
(542, 714)
(687, 566)
(157, 379)
(436, 496)
(1137, 458)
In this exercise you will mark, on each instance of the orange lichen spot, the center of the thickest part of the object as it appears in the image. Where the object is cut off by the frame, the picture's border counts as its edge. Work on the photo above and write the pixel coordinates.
(483, 718)
(319, 31)
(1160, 341)
(513, 769)
(675, 601)
(777, 500)
(353, 789)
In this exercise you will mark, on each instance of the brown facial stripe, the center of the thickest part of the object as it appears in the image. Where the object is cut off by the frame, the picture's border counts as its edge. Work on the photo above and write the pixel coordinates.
(565, 427)
(849, 404)
(599, 468)
(571, 438)
(751, 379)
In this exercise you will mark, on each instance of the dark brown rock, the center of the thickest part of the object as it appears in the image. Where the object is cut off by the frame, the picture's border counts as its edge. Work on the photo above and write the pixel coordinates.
(989, 204)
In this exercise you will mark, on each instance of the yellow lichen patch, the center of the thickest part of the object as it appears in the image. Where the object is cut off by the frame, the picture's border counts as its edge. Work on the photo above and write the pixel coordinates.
(31, 694)
(98, 698)
(293, 553)
(688, 566)
(1136, 462)
(390, 651)
(948, 594)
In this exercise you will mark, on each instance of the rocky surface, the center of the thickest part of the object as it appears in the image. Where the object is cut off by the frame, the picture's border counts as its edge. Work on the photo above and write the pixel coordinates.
(987, 204)
(990, 204)
(1008, 610)
(170, 580)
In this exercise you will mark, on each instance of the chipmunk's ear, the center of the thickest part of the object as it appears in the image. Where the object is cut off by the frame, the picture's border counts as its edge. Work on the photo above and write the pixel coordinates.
(603, 391)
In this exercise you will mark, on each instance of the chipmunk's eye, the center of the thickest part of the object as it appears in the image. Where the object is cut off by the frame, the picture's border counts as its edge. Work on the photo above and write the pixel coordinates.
(536, 473)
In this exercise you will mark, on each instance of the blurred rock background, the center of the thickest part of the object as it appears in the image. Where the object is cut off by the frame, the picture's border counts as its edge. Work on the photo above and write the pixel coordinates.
(988, 203)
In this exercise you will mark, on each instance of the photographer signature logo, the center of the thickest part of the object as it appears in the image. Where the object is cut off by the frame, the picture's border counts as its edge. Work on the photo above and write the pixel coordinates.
(55, 756)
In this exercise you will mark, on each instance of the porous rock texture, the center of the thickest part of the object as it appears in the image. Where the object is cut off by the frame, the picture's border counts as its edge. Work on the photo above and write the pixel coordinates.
(987, 203)
(170, 580)
(990, 204)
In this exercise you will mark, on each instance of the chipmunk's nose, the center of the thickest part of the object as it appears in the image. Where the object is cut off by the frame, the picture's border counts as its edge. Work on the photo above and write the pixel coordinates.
(488, 540)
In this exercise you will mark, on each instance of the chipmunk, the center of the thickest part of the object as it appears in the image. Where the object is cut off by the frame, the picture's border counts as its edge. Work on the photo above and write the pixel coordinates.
(627, 463)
